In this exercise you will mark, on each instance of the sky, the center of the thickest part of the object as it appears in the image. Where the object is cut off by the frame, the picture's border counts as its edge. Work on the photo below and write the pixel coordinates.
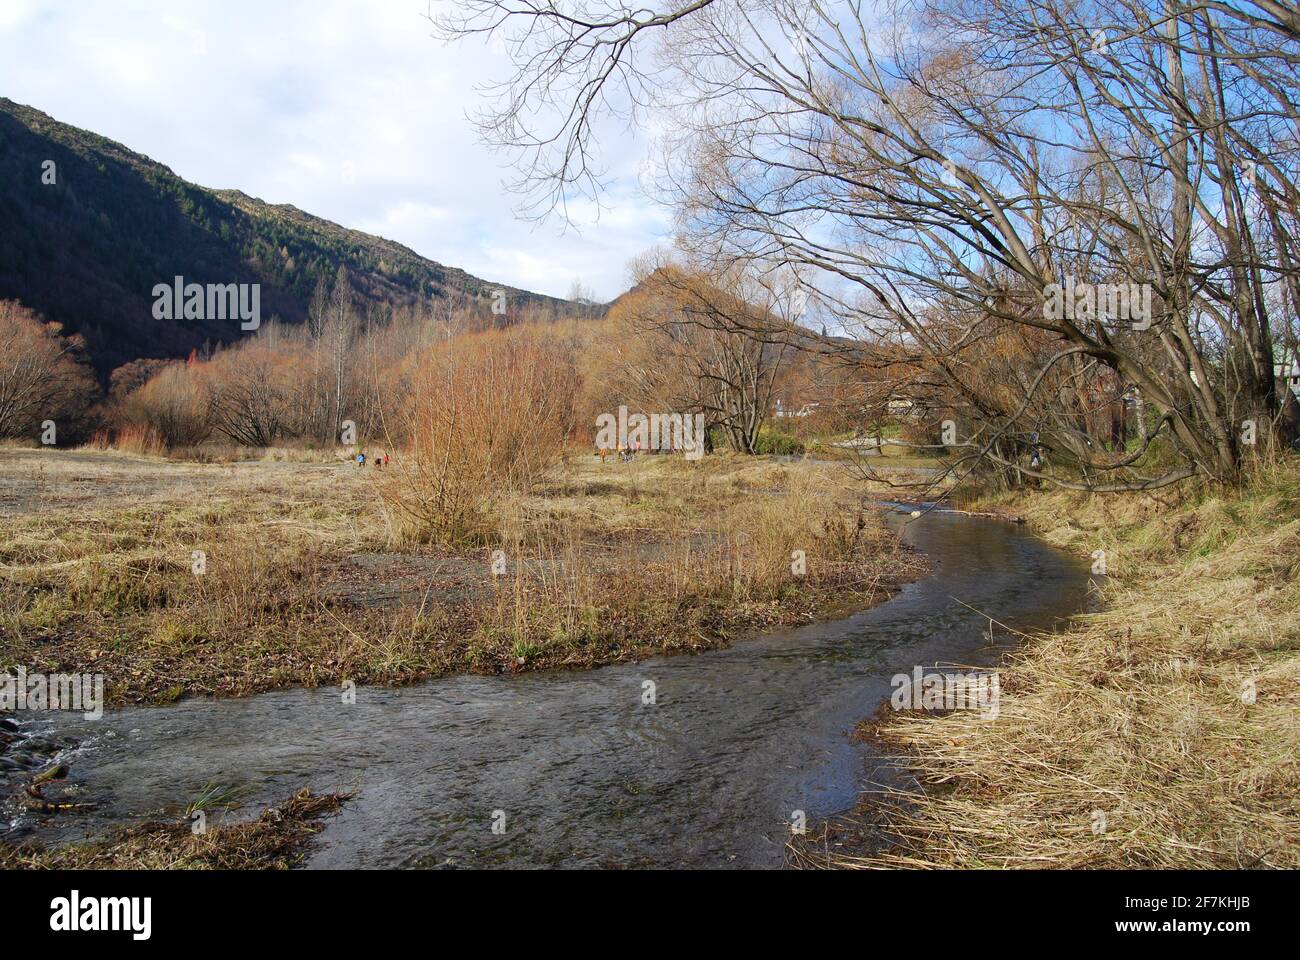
(348, 109)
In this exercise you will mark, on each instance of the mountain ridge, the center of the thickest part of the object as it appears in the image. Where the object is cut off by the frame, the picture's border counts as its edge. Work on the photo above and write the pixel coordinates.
(87, 249)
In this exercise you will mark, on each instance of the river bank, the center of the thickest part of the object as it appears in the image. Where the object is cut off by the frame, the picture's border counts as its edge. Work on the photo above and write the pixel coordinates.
(177, 579)
(183, 579)
(1162, 730)
(276, 840)
(701, 761)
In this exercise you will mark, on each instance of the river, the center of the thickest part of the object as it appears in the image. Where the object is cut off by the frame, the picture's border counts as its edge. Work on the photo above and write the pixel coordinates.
(574, 769)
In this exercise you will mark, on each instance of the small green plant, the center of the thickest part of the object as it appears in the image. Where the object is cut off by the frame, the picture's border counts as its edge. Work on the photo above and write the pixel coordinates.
(215, 796)
(525, 650)
(770, 442)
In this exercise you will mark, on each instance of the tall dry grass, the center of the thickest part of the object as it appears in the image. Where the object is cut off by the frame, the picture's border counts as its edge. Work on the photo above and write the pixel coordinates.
(686, 551)
(1162, 731)
(139, 439)
(301, 585)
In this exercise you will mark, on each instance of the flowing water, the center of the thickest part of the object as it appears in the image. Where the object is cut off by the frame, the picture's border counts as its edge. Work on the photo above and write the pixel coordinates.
(575, 767)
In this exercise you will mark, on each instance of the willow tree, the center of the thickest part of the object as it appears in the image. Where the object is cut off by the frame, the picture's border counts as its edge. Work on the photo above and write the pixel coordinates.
(43, 375)
(689, 342)
(938, 172)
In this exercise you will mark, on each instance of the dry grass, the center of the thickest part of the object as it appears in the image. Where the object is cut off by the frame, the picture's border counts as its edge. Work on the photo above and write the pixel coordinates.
(134, 439)
(1129, 740)
(274, 841)
(604, 563)
(693, 553)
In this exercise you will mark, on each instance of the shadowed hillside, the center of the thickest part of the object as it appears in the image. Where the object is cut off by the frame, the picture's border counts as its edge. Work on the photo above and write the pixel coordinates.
(87, 249)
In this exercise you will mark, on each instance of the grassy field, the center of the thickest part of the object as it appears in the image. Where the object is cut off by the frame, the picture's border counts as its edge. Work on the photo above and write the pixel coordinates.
(305, 581)
(1161, 731)
(301, 581)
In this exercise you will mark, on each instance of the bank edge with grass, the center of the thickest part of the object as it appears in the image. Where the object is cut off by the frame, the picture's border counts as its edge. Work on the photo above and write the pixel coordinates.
(1160, 731)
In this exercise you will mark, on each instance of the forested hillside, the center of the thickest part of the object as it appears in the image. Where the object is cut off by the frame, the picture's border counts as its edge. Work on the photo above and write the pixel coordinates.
(84, 242)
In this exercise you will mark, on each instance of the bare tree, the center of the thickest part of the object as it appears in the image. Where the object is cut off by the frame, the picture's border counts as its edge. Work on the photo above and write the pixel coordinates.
(939, 171)
(697, 349)
(247, 396)
(319, 309)
(42, 376)
(339, 334)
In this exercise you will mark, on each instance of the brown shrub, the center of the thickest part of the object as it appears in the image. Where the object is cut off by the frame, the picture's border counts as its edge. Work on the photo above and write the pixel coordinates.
(42, 376)
(173, 408)
(486, 416)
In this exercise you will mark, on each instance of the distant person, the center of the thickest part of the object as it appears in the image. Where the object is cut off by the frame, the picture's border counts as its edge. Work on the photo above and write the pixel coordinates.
(361, 459)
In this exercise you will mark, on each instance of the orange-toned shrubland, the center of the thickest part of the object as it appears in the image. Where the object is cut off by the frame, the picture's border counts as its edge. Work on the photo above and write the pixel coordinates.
(486, 415)
(174, 407)
(709, 343)
(41, 374)
(468, 416)
(277, 386)
(297, 384)
(412, 379)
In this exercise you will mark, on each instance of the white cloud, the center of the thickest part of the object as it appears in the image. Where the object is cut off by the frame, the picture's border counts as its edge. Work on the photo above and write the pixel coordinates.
(349, 110)
(13, 13)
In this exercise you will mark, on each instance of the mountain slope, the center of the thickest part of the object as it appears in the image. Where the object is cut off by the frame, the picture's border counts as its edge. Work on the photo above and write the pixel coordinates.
(88, 249)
